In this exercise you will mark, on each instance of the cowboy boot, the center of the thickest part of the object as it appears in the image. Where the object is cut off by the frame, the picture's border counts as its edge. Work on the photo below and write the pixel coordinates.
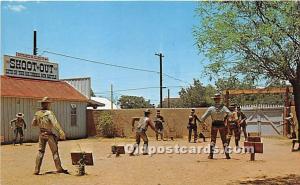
(145, 149)
(226, 151)
(237, 143)
(38, 163)
(211, 151)
(135, 146)
(21, 141)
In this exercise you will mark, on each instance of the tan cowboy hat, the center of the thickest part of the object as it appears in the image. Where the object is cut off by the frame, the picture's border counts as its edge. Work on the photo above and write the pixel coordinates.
(147, 111)
(45, 100)
(217, 96)
(20, 115)
(193, 110)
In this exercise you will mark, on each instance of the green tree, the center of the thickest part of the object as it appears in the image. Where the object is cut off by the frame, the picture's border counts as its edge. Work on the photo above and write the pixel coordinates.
(196, 95)
(253, 39)
(174, 103)
(134, 102)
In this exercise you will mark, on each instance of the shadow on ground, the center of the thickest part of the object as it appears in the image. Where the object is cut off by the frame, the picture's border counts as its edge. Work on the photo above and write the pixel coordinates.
(286, 180)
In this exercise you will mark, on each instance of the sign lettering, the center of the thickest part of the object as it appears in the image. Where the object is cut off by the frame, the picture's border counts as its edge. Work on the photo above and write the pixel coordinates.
(30, 68)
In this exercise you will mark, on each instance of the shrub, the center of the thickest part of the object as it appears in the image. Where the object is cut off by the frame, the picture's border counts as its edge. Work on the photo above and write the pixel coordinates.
(105, 126)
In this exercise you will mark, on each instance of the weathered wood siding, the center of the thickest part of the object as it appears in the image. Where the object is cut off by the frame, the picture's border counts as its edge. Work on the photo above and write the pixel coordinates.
(10, 106)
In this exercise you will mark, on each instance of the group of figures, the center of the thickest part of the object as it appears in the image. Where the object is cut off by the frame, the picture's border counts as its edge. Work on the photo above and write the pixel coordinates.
(226, 121)
(46, 121)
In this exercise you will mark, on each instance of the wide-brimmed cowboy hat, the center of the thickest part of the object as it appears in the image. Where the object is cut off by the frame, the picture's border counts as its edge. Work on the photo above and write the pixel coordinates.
(217, 96)
(45, 100)
(20, 115)
(147, 111)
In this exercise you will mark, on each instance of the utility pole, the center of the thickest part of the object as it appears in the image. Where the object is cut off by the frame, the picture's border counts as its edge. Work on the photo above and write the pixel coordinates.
(160, 79)
(34, 43)
(111, 97)
(168, 98)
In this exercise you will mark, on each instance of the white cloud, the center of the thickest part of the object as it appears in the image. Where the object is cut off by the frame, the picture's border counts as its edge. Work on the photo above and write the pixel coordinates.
(16, 8)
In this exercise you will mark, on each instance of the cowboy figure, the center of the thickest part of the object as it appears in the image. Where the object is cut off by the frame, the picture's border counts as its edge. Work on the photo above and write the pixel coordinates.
(17, 125)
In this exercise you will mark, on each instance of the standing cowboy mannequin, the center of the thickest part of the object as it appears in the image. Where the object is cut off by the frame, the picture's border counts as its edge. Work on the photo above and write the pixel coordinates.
(192, 125)
(140, 131)
(17, 125)
(218, 114)
(291, 123)
(159, 121)
(242, 121)
(233, 126)
(46, 121)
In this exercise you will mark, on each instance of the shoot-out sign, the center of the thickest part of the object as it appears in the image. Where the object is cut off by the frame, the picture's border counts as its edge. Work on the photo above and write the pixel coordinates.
(30, 66)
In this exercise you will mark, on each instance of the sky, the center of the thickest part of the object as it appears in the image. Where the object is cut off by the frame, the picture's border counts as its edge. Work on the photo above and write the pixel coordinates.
(120, 33)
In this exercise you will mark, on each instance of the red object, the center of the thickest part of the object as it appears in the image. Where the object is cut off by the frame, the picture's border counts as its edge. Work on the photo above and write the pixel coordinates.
(37, 89)
(253, 139)
(258, 147)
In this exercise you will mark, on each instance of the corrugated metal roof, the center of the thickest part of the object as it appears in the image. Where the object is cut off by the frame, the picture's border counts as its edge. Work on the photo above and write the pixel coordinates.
(104, 101)
(29, 88)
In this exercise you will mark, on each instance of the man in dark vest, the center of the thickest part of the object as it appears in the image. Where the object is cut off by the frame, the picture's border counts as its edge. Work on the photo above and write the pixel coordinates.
(159, 121)
(233, 126)
(192, 125)
(242, 121)
(218, 114)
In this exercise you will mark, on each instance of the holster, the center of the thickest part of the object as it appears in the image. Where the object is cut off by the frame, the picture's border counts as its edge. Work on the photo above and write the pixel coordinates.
(46, 133)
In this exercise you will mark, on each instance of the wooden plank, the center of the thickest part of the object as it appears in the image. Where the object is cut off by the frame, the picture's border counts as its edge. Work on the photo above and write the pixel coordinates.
(254, 139)
(271, 123)
(250, 134)
(258, 91)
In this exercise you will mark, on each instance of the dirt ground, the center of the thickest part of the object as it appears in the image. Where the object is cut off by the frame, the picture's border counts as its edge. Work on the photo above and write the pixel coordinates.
(278, 165)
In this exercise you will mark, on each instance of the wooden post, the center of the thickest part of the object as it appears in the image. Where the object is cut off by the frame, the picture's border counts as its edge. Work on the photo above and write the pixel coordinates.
(252, 157)
(286, 126)
(227, 98)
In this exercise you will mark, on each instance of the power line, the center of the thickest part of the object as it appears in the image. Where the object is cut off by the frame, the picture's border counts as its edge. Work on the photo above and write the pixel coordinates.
(141, 88)
(113, 65)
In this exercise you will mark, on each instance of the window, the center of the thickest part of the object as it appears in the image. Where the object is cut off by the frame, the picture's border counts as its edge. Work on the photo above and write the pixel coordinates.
(73, 115)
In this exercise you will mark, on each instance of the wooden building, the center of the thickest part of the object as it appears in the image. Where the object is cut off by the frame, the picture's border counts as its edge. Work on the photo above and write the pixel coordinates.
(22, 95)
(27, 79)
